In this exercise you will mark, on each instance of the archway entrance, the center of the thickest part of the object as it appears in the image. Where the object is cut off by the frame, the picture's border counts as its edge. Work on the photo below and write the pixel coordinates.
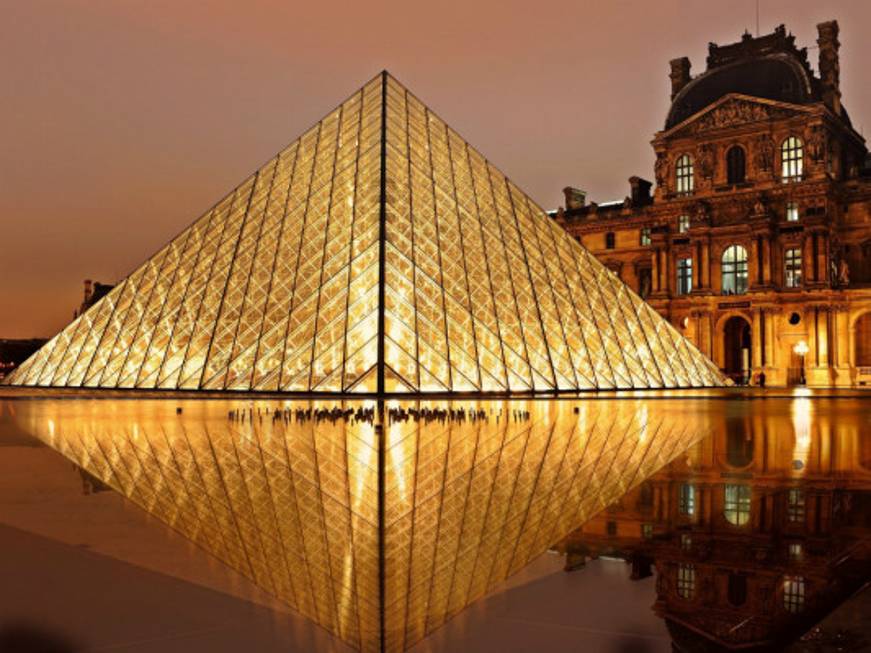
(736, 349)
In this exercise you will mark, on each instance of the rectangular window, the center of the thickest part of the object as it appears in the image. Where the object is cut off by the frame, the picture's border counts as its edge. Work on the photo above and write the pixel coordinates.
(736, 508)
(686, 581)
(795, 551)
(611, 527)
(792, 159)
(792, 211)
(610, 240)
(792, 268)
(645, 236)
(684, 276)
(686, 541)
(687, 499)
(793, 594)
(646, 531)
(795, 505)
(684, 175)
(683, 223)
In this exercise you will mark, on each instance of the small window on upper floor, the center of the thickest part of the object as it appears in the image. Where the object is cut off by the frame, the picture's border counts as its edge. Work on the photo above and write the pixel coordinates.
(792, 211)
(683, 175)
(683, 223)
(610, 240)
(736, 165)
(791, 159)
(644, 239)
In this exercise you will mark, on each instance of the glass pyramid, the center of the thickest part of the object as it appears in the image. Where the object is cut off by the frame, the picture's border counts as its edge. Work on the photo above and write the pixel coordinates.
(379, 252)
(378, 530)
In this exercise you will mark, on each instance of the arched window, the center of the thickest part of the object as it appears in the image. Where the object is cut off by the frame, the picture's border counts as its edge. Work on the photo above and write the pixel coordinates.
(683, 172)
(734, 270)
(735, 165)
(791, 159)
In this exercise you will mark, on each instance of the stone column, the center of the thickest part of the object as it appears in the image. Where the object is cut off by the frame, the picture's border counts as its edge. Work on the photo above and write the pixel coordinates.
(766, 260)
(756, 343)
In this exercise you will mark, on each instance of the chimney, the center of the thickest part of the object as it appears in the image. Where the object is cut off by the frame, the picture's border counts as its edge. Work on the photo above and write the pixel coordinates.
(640, 191)
(830, 67)
(89, 289)
(575, 197)
(680, 75)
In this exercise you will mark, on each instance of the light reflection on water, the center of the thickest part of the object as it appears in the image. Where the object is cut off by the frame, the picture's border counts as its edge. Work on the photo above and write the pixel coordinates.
(297, 504)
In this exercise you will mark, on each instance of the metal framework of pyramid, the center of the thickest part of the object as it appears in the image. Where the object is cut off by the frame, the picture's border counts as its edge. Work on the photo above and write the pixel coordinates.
(377, 253)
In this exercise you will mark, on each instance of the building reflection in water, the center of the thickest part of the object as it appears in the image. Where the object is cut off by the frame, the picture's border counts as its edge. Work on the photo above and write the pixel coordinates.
(377, 529)
(757, 532)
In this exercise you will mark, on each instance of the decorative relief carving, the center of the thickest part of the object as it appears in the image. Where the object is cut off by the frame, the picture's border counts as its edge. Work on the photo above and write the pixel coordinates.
(732, 113)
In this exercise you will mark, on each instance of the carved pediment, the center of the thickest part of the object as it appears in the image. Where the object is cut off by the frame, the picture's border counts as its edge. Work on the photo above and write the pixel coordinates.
(732, 111)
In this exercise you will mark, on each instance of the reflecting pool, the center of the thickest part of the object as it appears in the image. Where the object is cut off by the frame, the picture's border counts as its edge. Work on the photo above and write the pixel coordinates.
(380, 522)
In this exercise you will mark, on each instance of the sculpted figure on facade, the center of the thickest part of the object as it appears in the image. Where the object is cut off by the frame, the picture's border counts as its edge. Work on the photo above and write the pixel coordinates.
(764, 147)
(660, 169)
(817, 143)
(707, 161)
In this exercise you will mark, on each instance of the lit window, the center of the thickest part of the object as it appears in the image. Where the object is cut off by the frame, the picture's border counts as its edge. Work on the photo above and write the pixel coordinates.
(683, 223)
(792, 159)
(684, 175)
(646, 531)
(735, 165)
(795, 551)
(687, 499)
(736, 508)
(795, 505)
(734, 270)
(792, 268)
(793, 594)
(684, 276)
(686, 581)
(645, 236)
(686, 541)
(610, 240)
(792, 211)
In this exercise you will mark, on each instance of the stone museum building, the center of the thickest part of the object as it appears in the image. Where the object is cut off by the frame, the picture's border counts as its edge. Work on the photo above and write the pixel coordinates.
(756, 240)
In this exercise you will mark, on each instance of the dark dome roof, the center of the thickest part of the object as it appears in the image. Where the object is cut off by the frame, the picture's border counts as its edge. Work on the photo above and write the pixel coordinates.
(774, 77)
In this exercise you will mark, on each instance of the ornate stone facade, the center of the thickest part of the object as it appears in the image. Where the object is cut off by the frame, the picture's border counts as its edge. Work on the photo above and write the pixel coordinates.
(761, 213)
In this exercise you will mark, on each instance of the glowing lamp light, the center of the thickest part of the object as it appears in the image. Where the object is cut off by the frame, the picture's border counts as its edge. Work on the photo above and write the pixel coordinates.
(801, 348)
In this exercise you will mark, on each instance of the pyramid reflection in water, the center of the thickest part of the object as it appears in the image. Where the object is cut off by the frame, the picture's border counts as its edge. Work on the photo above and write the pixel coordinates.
(295, 505)
(377, 253)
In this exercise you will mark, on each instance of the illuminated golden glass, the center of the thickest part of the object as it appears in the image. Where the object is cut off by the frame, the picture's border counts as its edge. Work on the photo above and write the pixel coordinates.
(378, 531)
(378, 252)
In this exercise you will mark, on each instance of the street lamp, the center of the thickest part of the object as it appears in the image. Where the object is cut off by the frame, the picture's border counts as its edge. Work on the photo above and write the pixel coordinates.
(801, 349)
